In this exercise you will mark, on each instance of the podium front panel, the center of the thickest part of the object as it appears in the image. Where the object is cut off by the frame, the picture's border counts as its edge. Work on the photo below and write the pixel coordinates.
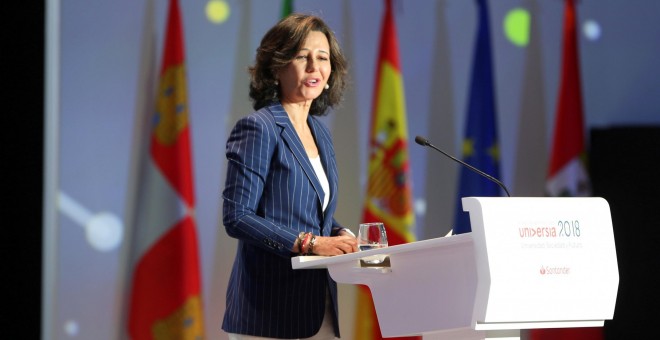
(543, 259)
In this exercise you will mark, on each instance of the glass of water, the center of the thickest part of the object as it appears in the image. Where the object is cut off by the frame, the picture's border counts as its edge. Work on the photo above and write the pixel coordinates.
(372, 236)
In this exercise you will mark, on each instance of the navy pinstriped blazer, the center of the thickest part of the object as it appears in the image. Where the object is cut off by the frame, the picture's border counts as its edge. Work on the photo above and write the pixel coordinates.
(270, 196)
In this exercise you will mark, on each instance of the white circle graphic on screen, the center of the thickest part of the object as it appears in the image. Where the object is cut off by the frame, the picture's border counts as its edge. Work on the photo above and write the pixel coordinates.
(591, 30)
(71, 328)
(104, 230)
(420, 207)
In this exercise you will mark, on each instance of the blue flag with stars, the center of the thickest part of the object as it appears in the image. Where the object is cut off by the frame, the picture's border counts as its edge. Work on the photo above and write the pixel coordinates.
(480, 147)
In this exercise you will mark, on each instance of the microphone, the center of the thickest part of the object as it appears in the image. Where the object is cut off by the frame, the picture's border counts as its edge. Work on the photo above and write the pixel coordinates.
(425, 142)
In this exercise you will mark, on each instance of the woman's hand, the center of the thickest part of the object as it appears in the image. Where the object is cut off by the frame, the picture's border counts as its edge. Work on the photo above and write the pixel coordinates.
(335, 245)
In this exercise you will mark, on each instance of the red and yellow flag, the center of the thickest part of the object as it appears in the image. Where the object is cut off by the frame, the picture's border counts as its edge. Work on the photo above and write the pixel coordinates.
(389, 197)
(165, 296)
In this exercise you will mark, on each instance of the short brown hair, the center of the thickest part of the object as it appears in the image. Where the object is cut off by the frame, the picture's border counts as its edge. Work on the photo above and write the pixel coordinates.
(278, 48)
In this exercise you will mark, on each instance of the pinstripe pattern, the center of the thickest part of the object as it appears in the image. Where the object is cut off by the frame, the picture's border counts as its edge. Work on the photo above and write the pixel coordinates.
(271, 194)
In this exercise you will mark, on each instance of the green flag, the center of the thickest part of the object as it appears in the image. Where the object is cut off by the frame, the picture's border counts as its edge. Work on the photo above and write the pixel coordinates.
(287, 7)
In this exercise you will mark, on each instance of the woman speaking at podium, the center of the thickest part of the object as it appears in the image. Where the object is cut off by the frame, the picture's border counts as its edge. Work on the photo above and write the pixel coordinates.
(281, 188)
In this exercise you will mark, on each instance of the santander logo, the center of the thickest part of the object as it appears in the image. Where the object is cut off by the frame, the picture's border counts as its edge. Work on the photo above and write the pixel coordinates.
(548, 270)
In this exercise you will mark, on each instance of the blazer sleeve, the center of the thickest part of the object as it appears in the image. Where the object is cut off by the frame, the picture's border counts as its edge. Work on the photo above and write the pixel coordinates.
(250, 148)
(337, 228)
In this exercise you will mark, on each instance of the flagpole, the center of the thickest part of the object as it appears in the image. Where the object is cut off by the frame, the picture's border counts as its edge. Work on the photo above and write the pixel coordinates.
(50, 256)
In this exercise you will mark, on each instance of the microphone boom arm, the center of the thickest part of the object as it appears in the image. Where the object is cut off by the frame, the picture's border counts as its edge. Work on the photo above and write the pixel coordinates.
(424, 142)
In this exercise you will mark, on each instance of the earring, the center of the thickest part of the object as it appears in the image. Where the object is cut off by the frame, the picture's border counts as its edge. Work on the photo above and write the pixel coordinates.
(276, 82)
(327, 86)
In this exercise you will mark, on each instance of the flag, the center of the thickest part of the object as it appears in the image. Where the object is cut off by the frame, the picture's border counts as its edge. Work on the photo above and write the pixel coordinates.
(567, 174)
(388, 198)
(480, 146)
(165, 297)
(287, 7)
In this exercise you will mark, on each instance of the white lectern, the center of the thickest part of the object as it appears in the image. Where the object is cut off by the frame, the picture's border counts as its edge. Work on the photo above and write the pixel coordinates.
(528, 263)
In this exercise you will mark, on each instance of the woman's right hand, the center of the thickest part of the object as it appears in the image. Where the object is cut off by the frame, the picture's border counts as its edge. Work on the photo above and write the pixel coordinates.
(335, 245)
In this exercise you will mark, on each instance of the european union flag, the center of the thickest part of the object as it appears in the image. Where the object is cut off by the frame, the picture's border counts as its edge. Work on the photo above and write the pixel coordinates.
(480, 147)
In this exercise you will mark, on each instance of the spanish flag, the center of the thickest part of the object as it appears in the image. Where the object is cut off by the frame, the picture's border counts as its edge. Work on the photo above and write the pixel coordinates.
(165, 297)
(389, 197)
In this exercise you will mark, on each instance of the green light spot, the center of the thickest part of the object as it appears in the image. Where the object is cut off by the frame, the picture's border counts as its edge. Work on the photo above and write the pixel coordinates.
(217, 11)
(516, 26)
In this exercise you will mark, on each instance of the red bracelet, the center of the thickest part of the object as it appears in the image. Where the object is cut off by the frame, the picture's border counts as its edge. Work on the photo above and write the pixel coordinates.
(300, 241)
(308, 236)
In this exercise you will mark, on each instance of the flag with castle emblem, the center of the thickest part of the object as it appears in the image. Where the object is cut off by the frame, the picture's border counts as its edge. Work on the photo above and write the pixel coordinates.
(567, 174)
(389, 197)
(165, 290)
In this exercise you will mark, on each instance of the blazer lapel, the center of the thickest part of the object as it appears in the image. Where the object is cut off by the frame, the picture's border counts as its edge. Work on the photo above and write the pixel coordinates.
(294, 144)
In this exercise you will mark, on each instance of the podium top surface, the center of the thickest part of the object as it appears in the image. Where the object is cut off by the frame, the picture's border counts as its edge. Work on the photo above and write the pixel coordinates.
(317, 262)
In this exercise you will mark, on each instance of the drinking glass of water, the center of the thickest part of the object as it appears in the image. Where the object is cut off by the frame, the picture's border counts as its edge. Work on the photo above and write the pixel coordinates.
(372, 236)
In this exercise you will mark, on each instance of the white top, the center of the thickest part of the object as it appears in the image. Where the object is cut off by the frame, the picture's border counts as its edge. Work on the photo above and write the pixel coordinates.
(323, 178)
